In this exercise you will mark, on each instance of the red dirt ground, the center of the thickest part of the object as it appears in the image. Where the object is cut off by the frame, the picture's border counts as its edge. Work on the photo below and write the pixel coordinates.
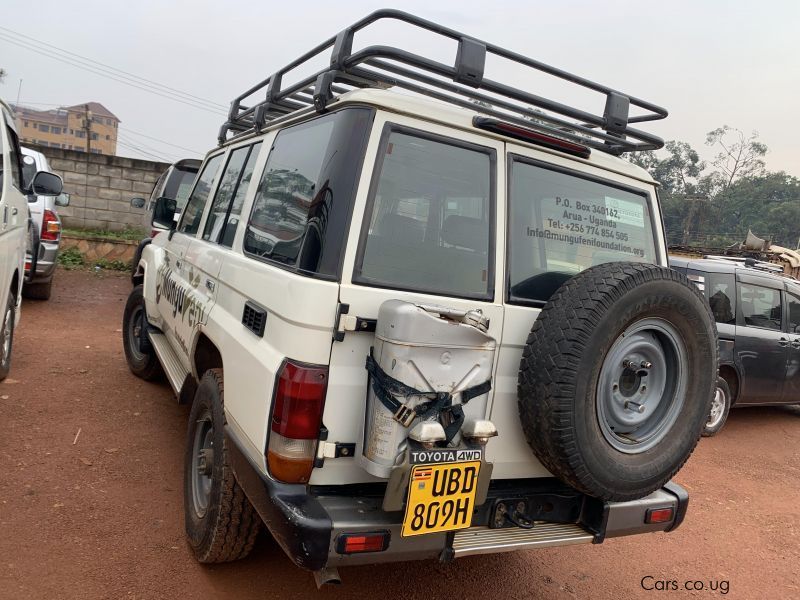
(101, 516)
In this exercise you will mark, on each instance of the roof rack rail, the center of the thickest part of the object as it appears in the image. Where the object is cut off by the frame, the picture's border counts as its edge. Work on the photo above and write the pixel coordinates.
(751, 263)
(462, 84)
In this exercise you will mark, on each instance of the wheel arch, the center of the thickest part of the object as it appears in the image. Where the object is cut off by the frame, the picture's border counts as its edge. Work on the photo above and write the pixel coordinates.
(206, 356)
(731, 376)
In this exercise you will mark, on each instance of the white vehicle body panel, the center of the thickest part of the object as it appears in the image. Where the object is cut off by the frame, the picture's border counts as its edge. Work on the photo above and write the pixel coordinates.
(302, 310)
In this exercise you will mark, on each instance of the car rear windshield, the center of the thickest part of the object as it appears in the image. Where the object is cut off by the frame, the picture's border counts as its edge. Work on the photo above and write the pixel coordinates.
(561, 223)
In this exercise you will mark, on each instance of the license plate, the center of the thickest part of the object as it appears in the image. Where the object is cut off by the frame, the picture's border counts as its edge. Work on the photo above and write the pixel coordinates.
(441, 497)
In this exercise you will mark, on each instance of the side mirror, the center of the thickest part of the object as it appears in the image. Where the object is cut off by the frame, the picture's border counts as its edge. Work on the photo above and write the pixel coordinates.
(137, 202)
(164, 212)
(62, 199)
(45, 183)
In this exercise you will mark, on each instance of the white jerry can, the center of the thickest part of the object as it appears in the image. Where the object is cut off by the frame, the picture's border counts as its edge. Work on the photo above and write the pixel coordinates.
(431, 349)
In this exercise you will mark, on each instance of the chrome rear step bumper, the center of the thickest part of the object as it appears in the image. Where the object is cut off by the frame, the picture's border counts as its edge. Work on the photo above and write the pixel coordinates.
(482, 540)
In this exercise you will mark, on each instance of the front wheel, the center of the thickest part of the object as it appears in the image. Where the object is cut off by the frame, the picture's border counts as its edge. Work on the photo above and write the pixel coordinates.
(7, 336)
(142, 359)
(720, 407)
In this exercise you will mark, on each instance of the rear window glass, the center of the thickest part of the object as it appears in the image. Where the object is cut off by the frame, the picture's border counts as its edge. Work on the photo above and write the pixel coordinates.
(561, 224)
(430, 221)
(721, 291)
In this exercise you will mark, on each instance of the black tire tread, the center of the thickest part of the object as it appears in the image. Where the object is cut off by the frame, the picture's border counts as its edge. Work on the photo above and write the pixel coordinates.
(550, 359)
(236, 529)
(38, 291)
(151, 370)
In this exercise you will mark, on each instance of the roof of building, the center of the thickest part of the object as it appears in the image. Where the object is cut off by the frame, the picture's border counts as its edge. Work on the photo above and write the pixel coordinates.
(57, 116)
(96, 108)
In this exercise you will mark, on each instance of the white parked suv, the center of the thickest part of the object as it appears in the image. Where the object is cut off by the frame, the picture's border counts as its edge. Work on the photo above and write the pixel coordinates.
(424, 323)
(44, 213)
(16, 229)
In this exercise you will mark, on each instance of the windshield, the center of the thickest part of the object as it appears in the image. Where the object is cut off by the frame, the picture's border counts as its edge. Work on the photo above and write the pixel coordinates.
(178, 186)
(561, 224)
(28, 169)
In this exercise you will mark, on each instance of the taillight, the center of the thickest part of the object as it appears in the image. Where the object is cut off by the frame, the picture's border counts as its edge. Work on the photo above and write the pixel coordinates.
(529, 135)
(155, 232)
(51, 226)
(296, 420)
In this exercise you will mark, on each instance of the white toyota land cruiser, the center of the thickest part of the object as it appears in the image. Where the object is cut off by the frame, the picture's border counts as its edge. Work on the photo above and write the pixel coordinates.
(423, 327)
(18, 237)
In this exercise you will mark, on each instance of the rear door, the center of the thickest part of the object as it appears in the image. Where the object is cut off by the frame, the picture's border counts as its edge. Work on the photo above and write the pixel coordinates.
(791, 387)
(761, 344)
(560, 222)
(423, 231)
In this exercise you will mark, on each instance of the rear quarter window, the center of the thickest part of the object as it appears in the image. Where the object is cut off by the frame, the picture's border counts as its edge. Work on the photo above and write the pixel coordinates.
(561, 223)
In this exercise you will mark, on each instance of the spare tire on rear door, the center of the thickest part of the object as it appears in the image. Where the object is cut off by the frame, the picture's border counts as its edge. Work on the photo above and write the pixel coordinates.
(617, 378)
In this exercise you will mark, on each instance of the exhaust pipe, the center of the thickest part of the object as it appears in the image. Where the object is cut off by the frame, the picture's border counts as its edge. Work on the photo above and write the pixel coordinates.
(328, 575)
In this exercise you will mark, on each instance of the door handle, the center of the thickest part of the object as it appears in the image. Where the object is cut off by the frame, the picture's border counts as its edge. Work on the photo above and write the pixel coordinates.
(783, 342)
(14, 212)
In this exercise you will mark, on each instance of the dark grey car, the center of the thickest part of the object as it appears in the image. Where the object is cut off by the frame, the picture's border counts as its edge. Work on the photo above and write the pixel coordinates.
(758, 319)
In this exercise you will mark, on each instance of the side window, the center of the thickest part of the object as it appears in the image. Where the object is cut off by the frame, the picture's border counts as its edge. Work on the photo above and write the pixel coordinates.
(430, 222)
(14, 156)
(190, 221)
(720, 288)
(158, 187)
(303, 203)
(793, 302)
(235, 207)
(760, 306)
(230, 195)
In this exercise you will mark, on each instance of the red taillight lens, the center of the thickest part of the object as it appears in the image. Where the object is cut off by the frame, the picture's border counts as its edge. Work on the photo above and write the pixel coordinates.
(299, 398)
(155, 232)
(353, 543)
(658, 515)
(296, 421)
(529, 135)
(51, 226)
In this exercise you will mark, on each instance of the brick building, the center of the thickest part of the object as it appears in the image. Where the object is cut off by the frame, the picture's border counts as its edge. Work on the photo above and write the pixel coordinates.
(66, 127)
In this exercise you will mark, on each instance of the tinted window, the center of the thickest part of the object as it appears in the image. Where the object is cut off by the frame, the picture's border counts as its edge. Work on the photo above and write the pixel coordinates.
(561, 224)
(222, 220)
(178, 185)
(760, 306)
(235, 207)
(225, 190)
(793, 302)
(429, 225)
(303, 202)
(158, 187)
(721, 290)
(190, 221)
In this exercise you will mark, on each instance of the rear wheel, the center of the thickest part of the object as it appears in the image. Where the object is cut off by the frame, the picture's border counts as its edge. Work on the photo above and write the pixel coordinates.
(38, 291)
(720, 407)
(7, 335)
(221, 524)
(142, 359)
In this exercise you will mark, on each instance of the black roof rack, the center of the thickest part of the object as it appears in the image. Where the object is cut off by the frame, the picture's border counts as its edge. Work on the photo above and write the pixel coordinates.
(463, 84)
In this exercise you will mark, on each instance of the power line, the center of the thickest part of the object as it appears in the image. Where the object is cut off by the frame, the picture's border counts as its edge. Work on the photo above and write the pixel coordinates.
(135, 143)
(140, 151)
(163, 141)
(99, 72)
(127, 74)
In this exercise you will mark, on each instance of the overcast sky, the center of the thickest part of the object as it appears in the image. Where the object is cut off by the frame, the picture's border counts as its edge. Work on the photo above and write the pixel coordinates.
(709, 63)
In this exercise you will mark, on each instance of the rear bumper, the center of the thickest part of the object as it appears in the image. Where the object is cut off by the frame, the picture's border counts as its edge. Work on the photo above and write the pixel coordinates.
(306, 522)
(46, 263)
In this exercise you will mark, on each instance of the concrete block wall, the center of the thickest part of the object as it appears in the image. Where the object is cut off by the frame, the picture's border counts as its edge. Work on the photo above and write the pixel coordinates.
(101, 187)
